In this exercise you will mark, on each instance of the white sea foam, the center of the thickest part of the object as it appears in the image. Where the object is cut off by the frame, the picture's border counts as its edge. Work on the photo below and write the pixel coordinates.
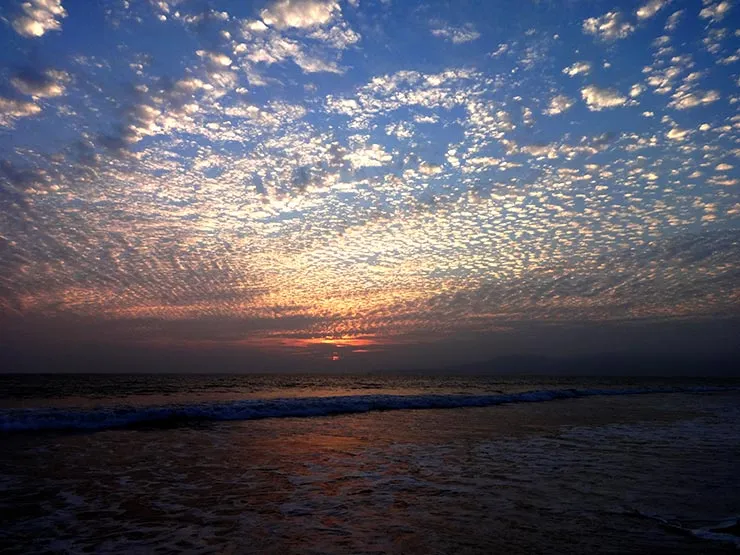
(716, 533)
(713, 532)
(23, 420)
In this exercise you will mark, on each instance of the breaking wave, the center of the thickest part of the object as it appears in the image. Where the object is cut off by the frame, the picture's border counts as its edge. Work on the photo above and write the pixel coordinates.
(55, 419)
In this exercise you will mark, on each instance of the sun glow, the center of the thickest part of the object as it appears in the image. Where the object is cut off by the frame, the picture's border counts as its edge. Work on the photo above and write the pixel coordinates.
(342, 341)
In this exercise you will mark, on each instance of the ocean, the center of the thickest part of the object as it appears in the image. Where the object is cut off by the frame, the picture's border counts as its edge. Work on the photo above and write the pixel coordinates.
(368, 464)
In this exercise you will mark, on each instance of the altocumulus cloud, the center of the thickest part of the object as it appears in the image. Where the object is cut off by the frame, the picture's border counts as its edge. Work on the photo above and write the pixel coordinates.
(37, 17)
(289, 171)
(299, 13)
(598, 99)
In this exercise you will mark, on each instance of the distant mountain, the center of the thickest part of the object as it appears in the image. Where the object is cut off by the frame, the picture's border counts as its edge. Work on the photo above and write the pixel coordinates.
(602, 364)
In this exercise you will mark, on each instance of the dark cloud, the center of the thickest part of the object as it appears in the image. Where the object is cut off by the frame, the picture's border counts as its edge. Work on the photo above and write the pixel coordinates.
(39, 83)
(21, 178)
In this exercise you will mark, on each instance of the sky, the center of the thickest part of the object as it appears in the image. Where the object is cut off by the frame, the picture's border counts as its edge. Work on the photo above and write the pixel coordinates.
(367, 184)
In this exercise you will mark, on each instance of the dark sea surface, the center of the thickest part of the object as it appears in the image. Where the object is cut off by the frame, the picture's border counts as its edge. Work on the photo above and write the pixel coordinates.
(368, 464)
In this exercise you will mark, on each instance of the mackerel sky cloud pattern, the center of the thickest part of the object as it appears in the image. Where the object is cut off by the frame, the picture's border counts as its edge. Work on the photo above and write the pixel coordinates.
(286, 174)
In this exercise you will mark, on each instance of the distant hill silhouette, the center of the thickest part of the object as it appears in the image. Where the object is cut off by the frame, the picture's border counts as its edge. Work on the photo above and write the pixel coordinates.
(601, 364)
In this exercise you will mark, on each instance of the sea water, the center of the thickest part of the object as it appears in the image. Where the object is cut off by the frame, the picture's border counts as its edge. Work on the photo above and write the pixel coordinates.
(367, 464)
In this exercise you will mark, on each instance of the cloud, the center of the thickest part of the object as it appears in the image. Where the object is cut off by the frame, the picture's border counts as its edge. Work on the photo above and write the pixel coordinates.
(636, 90)
(723, 181)
(11, 109)
(48, 83)
(609, 27)
(672, 22)
(648, 10)
(39, 16)
(278, 114)
(577, 68)
(337, 36)
(501, 50)
(276, 49)
(257, 26)
(368, 157)
(216, 59)
(170, 107)
(311, 64)
(301, 14)
(677, 134)
(317, 49)
(22, 178)
(456, 35)
(429, 169)
(559, 104)
(598, 99)
(716, 12)
(731, 59)
(541, 151)
(400, 130)
(349, 205)
(686, 100)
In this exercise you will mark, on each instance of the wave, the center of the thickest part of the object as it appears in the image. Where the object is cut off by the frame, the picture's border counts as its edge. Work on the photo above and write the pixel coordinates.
(55, 419)
(727, 530)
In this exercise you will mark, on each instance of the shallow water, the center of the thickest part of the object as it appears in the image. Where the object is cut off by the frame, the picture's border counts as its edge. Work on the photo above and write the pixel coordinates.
(616, 474)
